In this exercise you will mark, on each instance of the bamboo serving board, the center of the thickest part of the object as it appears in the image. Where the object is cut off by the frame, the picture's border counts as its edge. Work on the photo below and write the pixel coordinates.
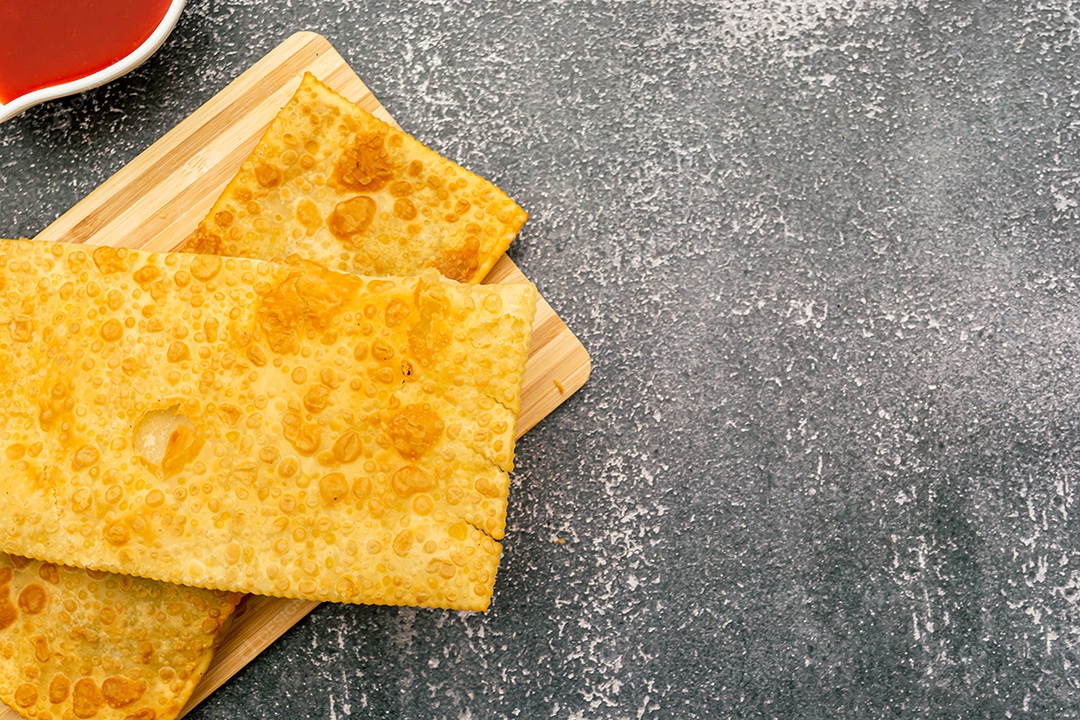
(155, 201)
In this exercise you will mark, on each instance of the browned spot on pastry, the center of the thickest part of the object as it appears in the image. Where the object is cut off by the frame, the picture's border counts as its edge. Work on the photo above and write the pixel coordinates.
(403, 542)
(111, 260)
(9, 613)
(352, 217)
(305, 437)
(21, 328)
(404, 209)
(112, 330)
(409, 480)
(382, 350)
(397, 312)
(460, 262)
(116, 533)
(59, 688)
(41, 648)
(49, 573)
(401, 188)
(307, 213)
(205, 267)
(414, 430)
(348, 447)
(442, 568)
(26, 695)
(203, 241)
(267, 175)
(120, 692)
(317, 398)
(85, 456)
(365, 166)
(333, 487)
(147, 274)
(309, 298)
(178, 352)
(86, 698)
(32, 599)
(144, 714)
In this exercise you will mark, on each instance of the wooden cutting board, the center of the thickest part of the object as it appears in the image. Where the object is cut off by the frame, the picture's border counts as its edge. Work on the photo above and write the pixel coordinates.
(155, 201)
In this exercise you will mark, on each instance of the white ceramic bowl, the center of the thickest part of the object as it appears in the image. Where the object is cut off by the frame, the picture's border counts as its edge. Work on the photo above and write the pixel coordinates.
(118, 68)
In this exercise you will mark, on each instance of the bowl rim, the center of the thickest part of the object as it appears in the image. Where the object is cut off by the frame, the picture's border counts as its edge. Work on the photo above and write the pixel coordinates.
(121, 67)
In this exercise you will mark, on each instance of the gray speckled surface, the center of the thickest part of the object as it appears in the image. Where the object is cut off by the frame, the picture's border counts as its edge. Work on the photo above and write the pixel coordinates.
(826, 255)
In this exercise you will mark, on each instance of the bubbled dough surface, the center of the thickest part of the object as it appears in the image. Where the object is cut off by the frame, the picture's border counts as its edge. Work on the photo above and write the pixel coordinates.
(334, 184)
(353, 435)
(77, 643)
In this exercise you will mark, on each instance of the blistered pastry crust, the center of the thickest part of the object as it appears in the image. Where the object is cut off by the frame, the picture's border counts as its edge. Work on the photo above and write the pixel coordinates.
(338, 438)
(334, 184)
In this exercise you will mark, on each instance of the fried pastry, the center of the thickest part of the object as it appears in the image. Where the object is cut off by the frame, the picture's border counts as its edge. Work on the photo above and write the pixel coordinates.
(273, 428)
(334, 184)
(83, 644)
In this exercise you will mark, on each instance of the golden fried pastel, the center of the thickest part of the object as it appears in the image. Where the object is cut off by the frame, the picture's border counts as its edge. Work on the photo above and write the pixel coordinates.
(334, 184)
(273, 428)
(84, 644)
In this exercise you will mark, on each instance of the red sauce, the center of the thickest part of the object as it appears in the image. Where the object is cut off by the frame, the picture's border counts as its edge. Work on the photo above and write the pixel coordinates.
(49, 42)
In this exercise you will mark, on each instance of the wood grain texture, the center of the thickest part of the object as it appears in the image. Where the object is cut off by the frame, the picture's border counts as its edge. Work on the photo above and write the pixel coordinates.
(155, 201)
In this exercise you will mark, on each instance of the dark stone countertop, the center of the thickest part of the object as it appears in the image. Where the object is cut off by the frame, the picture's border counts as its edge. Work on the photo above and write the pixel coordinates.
(826, 255)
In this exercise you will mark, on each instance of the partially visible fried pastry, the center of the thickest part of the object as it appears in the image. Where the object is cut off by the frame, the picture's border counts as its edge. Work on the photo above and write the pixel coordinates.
(273, 428)
(334, 184)
(83, 644)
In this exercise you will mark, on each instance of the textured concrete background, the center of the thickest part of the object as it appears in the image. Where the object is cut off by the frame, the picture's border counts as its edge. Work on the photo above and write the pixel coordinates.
(825, 254)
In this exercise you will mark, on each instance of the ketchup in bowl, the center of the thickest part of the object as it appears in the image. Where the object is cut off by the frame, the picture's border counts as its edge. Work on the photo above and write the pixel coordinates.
(48, 42)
